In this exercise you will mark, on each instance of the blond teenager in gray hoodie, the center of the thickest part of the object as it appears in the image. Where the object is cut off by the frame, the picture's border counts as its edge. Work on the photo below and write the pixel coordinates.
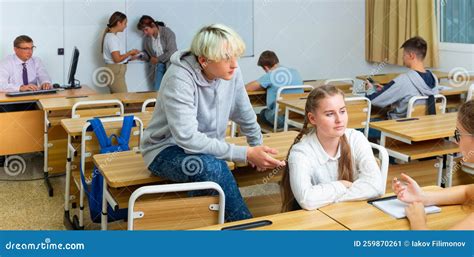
(201, 91)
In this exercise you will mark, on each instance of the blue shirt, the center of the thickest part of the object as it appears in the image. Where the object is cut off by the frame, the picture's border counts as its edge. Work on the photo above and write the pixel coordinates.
(281, 76)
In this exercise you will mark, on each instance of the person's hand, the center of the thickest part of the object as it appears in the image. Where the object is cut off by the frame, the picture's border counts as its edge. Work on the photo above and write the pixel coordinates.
(29, 87)
(374, 87)
(407, 190)
(154, 60)
(346, 183)
(259, 156)
(133, 52)
(46, 86)
(416, 215)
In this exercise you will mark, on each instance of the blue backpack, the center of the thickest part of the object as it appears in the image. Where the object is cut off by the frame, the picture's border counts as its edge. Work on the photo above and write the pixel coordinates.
(94, 191)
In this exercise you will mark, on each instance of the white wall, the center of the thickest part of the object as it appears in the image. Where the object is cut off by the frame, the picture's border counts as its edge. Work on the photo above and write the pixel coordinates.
(320, 38)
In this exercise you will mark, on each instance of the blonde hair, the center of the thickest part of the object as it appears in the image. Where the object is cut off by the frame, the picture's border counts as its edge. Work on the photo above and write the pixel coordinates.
(217, 42)
(345, 161)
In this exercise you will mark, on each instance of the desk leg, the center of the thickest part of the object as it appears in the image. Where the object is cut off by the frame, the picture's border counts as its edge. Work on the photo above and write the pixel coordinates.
(449, 171)
(67, 193)
(45, 161)
(440, 166)
(287, 116)
(103, 219)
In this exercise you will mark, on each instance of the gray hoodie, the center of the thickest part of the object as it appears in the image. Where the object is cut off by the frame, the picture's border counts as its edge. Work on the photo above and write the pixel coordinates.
(398, 93)
(193, 113)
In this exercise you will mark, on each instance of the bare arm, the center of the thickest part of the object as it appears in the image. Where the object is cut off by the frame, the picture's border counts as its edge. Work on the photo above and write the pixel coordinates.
(253, 86)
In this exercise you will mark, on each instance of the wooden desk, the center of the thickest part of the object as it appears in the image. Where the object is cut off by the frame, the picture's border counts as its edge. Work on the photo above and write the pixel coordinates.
(126, 169)
(258, 99)
(421, 138)
(455, 96)
(386, 78)
(362, 216)
(26, 131)
(295, 220)
(133, 101)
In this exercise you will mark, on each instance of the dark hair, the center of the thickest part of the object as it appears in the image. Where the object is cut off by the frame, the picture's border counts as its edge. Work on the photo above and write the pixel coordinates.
(268, 58)
(148, 21)
(416, 45)
(466, 116)
(345, 161)
(113, 20)
(22, 39)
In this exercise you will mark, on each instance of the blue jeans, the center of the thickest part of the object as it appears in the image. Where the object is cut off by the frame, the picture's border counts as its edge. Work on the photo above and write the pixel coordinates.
(159, 73)
(174, 164)
(268, 115)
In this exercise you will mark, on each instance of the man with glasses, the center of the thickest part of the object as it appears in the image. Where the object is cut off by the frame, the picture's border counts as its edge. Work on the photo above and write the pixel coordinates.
(21, 71)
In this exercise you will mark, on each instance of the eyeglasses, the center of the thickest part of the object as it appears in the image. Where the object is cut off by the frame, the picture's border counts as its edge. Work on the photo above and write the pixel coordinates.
(458, 134)
(27, 48)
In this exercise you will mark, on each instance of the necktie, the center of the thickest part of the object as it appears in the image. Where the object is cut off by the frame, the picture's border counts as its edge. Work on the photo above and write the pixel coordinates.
(25, 74)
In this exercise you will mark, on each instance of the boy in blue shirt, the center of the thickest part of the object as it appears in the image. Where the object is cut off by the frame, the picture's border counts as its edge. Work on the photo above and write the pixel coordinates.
(275, 77)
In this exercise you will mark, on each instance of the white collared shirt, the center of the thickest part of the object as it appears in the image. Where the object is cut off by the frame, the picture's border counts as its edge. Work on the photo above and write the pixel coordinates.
(11, 73)
(314, 174)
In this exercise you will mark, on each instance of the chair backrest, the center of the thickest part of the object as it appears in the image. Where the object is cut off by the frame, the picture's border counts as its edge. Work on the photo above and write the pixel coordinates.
(358, 109)
(279, 97)
(416, 110)
(175, 213)
(146, 103)
(470, 93)
(384, 162)
(342, 84)
(97, 108)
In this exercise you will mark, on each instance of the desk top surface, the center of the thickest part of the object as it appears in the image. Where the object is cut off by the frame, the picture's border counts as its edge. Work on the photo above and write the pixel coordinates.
(295, 220)
(66, 103)
(386, 78)
(83, 91)
(127, 168)
(135, 97)
(423, 128)
(361, 215)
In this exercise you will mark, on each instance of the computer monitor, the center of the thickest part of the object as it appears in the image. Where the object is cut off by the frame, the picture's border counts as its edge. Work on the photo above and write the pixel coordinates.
(72, 82)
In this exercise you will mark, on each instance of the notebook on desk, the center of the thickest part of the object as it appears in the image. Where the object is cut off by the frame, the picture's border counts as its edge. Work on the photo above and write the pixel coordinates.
(37, 92)
(396, 208)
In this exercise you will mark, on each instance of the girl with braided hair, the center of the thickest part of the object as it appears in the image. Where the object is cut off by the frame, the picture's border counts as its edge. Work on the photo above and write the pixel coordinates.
(327, 162)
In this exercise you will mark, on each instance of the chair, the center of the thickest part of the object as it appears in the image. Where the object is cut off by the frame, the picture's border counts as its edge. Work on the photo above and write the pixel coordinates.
(384, 162)
(146, 103)
(359, 109)
(89, 147)
(97, 108)
(279, 97)
(346, 88)
(416, 110)
(175, 213)
(470, 93)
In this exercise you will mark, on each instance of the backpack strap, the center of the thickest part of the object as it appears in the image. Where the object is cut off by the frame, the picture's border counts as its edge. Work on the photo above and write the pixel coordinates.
(431, 105)
(99, 131)
(127, 125)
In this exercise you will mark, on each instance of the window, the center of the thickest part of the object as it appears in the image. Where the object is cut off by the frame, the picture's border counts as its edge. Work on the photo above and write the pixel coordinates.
(456, 21)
